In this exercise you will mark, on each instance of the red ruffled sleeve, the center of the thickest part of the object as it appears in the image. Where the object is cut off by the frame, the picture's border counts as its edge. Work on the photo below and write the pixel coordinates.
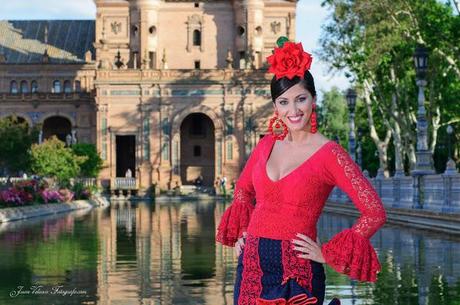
(236, 217)
(350, 251)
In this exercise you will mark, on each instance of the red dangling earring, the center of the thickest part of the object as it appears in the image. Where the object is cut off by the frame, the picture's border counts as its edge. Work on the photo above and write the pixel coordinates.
(314, 127)
(278, 124)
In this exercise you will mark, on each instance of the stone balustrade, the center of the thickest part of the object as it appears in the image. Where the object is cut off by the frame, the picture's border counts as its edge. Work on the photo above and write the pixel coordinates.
(439, 193)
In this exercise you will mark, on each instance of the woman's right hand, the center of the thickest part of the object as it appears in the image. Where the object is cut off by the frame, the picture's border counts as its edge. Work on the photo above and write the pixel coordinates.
(239, 245)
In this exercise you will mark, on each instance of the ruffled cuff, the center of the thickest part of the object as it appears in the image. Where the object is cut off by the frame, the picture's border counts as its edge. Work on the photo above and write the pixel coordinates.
(352, 254)
(233, 223)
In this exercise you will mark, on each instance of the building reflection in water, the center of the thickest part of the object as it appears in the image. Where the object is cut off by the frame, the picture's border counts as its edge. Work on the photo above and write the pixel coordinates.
(163, 254)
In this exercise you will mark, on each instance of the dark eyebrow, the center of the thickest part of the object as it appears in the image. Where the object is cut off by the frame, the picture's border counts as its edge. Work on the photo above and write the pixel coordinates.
(284, 99)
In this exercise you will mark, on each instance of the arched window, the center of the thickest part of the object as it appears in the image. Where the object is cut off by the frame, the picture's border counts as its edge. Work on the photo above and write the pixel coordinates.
(196, 38)
(77, 86)
(24, 87)
(67, 86)
(34, 86)
(14, 87)
(57, 86)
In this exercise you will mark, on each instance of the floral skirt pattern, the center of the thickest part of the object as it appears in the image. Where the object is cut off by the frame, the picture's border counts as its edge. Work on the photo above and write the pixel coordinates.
(270, 273)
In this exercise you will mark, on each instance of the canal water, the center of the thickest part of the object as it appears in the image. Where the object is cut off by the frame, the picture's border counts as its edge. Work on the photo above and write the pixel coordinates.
(165, 253)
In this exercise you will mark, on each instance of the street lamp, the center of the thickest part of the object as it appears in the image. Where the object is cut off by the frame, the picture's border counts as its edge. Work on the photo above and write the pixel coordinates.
(360, 155)
(450, 167)
(351, 99)
(424, 158)
(351, 102)
(424, 162)
(421, 61)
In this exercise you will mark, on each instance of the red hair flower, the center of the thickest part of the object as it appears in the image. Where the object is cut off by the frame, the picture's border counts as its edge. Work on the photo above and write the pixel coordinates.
(290, 60)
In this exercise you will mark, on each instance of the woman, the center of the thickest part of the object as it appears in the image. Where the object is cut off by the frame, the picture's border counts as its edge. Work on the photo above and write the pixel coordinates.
(281, 192)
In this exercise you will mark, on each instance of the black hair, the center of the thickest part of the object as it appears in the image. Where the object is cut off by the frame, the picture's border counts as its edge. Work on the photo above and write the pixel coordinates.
(278, 87)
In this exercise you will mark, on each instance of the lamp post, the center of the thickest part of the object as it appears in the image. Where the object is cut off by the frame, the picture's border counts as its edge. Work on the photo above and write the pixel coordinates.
(424, 162)
(360, 155)
(450, 166)
(351, 102)
(424, 159)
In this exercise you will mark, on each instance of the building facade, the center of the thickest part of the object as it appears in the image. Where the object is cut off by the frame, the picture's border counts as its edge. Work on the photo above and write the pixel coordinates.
(168, 89)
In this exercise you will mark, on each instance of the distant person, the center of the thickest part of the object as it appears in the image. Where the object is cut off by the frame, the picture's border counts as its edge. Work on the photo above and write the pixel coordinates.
(176, 188)
(129, 173)
(199, 181)
(223, 186)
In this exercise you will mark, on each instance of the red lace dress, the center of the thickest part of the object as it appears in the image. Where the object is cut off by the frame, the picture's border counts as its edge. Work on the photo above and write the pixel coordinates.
(278, 210)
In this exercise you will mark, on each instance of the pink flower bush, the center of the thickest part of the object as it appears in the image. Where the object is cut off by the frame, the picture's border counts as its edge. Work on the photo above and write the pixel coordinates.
(11, 196)
(51, 196)
(32, 191)
(66, 195)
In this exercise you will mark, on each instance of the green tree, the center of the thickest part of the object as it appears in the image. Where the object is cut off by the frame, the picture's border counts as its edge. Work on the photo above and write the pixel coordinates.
(53, 159)
(375, 42)
(334, 115)
(15, 140)
(93, 164)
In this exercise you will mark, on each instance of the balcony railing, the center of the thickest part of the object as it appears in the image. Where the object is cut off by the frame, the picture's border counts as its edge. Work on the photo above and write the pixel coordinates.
(124, 184)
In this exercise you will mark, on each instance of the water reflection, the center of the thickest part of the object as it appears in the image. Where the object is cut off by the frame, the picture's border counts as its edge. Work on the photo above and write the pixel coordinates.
(166, 254)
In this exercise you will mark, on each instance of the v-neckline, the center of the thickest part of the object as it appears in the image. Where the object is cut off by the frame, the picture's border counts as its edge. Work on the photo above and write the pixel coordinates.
(295, 169)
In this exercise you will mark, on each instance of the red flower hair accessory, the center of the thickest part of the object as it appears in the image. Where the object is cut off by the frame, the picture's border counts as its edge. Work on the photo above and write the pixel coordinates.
(289, 59)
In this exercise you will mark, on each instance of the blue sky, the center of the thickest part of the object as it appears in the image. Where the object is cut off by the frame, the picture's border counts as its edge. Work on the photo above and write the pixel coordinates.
(310, 17)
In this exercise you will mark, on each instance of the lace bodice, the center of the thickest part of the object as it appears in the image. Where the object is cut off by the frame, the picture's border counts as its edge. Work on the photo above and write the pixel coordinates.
(280, 209)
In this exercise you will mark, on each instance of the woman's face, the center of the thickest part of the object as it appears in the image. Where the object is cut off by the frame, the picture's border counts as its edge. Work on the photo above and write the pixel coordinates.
(294, 107)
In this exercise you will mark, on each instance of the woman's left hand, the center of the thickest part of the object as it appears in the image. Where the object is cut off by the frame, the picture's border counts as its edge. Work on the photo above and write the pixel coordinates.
(310, 249)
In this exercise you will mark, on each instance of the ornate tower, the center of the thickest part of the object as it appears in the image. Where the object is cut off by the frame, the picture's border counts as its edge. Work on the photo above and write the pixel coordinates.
(258, 24)
(144, 33)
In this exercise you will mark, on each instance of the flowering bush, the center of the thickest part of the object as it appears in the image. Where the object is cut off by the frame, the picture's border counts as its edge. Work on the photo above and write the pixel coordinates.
(51, 196)
(33, 191)
(11, 196)
(83, 192)
(66, 195)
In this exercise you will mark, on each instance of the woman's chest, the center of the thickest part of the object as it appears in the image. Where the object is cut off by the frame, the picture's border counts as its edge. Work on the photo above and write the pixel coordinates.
(300, 187)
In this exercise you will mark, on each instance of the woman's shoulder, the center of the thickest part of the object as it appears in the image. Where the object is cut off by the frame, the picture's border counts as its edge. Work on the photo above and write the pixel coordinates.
(321, 141)
(326, 147)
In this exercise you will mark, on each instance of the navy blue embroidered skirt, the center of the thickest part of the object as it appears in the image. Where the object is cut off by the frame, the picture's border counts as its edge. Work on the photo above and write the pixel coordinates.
(269, 272)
